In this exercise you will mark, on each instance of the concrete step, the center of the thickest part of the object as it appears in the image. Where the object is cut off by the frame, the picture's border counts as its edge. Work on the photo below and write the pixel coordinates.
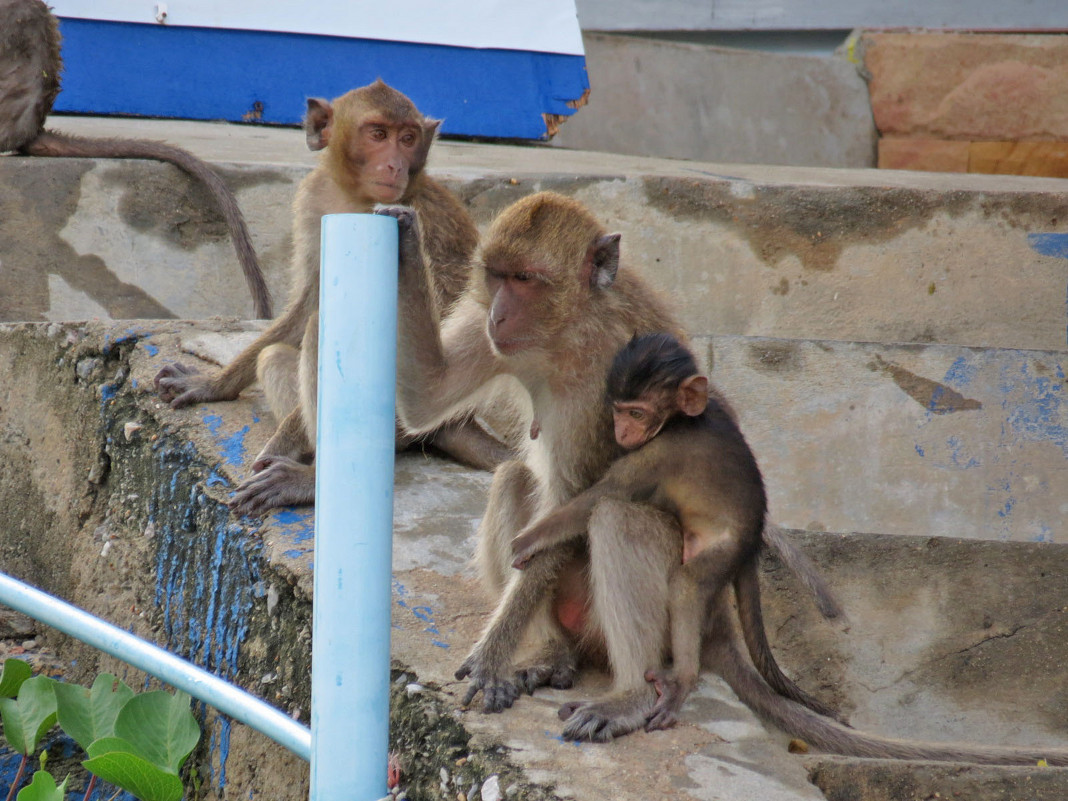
(806, 253)
(115, 502)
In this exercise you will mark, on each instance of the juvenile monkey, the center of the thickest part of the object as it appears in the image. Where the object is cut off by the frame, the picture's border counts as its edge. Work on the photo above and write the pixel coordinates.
(686, 456)
(30, 64)
(375, 144)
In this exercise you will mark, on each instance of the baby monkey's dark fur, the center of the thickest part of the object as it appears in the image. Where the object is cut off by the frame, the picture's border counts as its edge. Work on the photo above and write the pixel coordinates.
(687, 457)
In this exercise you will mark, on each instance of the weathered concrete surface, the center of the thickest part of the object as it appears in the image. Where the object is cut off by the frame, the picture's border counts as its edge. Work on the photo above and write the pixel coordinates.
(950, 639)
(857, 255)
(720, 104)
(904, 439)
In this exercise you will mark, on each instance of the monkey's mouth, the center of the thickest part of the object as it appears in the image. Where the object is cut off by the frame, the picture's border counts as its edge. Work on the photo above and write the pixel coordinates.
(387, 192)
(508, 347)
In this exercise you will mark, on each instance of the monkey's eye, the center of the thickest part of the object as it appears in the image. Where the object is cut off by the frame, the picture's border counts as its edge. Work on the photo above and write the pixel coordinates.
(523, 277)
(378, 134)
(636, 414)
(408, 140)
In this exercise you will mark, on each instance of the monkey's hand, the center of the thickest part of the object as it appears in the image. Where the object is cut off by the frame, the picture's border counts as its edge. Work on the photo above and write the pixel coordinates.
(670, 695)
(281, 481)
(180, 386)
(498, 693)
(526, 545)
(408, 229)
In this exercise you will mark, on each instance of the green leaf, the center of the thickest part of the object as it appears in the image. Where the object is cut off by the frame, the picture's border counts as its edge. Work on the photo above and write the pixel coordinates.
(115, 760)
(87, 715)
(43, 788)
(15, 672)
(162, 727)
(29, 717)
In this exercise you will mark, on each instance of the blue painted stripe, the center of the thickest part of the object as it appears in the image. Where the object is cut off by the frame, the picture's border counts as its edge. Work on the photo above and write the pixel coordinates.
(1055, 245)
(211, 73)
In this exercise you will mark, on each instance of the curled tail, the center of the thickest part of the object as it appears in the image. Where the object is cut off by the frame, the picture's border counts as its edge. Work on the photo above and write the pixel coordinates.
(52, 143)
(832, 737)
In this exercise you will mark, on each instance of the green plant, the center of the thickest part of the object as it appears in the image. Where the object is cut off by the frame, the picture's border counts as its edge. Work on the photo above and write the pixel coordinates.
(137, 742)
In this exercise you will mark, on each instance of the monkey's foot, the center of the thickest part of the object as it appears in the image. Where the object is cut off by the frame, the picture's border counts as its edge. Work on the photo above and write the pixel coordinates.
(671, 691)
(498, 694)
(555, 668)
(180, 386)
(605, 720)
(281, 482)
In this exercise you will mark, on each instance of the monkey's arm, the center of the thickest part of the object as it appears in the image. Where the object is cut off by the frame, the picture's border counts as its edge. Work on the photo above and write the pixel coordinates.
(441, 367)
(181, 386)
(562, 524)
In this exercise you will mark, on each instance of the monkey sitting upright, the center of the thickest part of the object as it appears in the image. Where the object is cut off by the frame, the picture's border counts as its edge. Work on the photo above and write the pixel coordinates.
(686, 456)
(375, 144)
(30, 64)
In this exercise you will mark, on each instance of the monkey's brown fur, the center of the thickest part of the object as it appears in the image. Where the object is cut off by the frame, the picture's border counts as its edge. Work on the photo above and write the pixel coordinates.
(30, 65)
(622, 568)
(688, 458)
(284, 357)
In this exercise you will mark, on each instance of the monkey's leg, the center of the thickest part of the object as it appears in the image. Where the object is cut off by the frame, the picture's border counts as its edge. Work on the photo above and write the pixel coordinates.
(490, 662)
(508, 510)
(510, 507)
(633, 550)
(290, 381)
(687, 603)
(470, 444)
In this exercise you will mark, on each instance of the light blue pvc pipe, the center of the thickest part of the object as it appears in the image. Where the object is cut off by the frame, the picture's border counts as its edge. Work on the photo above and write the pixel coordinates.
(162, 664)
(354, 507)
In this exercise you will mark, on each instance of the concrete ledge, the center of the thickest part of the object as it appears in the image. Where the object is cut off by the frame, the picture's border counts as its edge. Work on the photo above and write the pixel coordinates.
(115, 502)
(857, 255)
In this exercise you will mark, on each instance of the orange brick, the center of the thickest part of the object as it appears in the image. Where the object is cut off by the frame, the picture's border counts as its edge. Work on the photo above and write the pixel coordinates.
(933, 155)
(969, 86)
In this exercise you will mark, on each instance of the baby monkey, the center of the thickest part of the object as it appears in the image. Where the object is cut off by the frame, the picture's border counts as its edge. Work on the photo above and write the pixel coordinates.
(686, 456)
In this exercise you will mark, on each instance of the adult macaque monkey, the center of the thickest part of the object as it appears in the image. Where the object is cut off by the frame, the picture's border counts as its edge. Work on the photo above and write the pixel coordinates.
(30, 65)
(548, 306)
(688, 458)
(375, 145)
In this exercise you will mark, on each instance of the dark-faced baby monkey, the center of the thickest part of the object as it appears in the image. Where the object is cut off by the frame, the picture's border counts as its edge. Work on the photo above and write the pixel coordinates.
(685, 455)
(30, 65)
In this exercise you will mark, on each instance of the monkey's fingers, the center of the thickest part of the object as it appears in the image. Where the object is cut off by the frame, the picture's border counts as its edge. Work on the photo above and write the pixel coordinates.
(661, 718)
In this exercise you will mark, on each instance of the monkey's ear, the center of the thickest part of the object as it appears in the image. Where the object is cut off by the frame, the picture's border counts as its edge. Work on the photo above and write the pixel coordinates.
(605, 261)
(318, 123)
(430, 133)
(693, 395)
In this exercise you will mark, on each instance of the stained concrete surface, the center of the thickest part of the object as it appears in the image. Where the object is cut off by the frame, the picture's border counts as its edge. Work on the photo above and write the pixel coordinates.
(788, 252)
(950, 639)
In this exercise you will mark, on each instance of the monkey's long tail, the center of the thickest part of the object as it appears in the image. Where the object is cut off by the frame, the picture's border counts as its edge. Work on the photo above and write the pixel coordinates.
(56, 144)
(830, 736)
(798, 563)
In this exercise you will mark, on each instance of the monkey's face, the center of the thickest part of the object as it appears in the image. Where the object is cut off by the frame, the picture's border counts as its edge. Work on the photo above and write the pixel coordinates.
(383, 154)
(637, 421)
(519, 297)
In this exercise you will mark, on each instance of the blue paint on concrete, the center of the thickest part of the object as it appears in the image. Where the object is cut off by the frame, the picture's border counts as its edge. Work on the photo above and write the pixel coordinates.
(1055, 245)
(422, 612)
(919, 450)
(152, 350)
(560, 739)
(231, 446)
(960, 374)
(205, 570)
(959, 456)
(1036, 401)
(298, 523)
